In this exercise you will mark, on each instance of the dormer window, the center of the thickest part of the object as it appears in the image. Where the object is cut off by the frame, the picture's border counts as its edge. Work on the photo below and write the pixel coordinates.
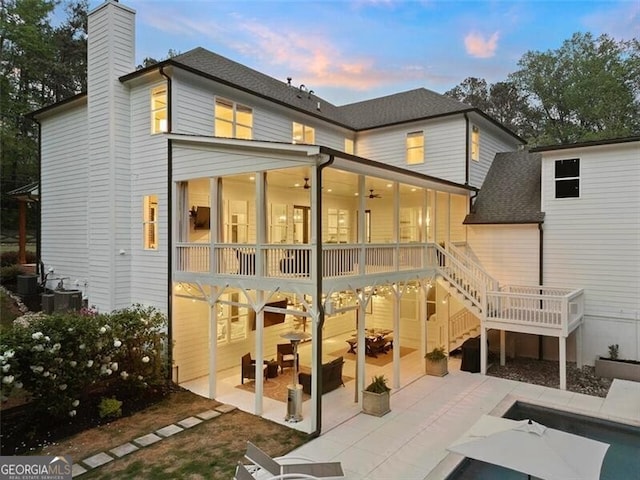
(303, 134)
(159, 110)
(233, 120)
(475, 143)
(415, 148)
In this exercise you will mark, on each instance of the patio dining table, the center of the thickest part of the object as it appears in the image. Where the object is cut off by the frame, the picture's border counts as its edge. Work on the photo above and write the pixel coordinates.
(376, 341)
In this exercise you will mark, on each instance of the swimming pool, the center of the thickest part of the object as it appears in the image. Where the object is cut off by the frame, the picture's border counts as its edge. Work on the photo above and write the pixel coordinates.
(622, 461)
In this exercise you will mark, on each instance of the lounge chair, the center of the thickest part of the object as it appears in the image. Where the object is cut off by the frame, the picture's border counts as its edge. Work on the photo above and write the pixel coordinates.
(242, 473)
(290, 465)
(285, 356)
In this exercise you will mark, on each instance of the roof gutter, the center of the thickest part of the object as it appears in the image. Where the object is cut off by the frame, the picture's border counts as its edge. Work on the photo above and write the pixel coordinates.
(319, 286)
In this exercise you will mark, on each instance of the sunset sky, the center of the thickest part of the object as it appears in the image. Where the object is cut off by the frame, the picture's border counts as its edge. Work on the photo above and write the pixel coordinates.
(348, 51)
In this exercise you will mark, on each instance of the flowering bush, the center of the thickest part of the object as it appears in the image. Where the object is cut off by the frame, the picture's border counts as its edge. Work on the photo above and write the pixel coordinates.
(59, 359)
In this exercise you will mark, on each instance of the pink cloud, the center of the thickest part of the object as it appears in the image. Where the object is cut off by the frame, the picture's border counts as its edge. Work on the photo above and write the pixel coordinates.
(478, 46)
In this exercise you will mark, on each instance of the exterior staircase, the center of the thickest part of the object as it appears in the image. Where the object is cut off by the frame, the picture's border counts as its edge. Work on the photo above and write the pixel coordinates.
(466, 281)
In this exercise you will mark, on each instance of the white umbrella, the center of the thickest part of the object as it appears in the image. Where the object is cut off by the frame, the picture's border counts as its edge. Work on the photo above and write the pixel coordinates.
(531, 448)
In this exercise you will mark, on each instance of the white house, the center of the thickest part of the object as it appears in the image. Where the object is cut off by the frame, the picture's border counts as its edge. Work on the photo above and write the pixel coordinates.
(246, 207)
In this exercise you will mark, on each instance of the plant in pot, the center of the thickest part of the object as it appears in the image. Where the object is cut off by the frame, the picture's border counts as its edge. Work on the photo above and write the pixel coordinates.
(615, 367)
(375, 398)
(436, 362)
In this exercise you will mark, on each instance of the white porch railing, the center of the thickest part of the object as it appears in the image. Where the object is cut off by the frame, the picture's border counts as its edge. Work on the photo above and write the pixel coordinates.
(294, 261)
(540, 307)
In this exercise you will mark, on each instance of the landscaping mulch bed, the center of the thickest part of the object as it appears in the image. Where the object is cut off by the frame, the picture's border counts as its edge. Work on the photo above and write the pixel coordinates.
(25, 430)
(547, 373)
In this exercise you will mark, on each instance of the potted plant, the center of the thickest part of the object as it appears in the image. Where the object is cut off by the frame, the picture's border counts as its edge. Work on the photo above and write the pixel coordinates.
(614, 367)
(436, 362)
(375, 398)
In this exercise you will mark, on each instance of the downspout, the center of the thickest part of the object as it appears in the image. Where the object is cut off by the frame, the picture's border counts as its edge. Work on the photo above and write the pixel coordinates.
(466, 150)
(319, 287)
(40, 264)
(540, 281)
(169, 233)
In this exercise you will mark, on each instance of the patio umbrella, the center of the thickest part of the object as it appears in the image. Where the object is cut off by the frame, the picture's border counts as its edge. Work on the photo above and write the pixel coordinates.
(531, 448)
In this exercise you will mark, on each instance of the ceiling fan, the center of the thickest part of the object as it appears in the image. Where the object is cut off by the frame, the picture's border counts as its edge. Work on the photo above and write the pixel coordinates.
(373, 195)
(306, 185)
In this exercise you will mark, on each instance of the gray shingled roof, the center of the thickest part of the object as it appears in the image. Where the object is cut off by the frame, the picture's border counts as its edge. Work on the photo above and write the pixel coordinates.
(510, 192)
(401, 107)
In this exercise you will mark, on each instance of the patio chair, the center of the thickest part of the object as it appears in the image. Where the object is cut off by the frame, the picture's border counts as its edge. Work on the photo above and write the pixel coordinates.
(289, 465)
(285, 356)
(243, 473)
(249, 368)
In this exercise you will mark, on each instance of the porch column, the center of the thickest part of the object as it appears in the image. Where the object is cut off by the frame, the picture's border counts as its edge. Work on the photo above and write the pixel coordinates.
(503, 353)
(563, 362)
(213, 344)
(579, 345)
(397, 294)
(315, 340)
(259, 376)
(361, 350)
(483, 350)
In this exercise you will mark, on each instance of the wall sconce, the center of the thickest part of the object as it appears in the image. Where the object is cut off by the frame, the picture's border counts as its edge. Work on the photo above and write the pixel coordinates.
(193, 212)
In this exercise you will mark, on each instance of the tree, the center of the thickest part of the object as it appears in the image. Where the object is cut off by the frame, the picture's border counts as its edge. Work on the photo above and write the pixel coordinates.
(588, 89)
(502, 101)
(39, 65)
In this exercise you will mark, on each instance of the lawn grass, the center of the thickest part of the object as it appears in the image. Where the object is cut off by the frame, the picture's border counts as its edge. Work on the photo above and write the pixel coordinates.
(209, 450)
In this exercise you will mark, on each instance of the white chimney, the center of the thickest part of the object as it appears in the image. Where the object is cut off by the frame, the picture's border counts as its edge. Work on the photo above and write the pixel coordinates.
(111, 54)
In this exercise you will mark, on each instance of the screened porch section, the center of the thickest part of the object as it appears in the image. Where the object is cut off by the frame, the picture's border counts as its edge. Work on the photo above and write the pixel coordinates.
(264, 225)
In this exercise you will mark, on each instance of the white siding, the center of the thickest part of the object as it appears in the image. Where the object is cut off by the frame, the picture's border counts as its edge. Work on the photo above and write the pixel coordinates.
(110, 54)
(191, 339)
(444, 147)
(149, 163)
(194, 113)
(492, 140)
(510, 253)
(202, 161)
(593, 242)
(64, 195)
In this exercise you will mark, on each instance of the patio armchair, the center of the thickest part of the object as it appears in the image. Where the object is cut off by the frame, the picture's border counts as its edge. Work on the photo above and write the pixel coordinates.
(285, 356)
(249, 368)
(280, 467)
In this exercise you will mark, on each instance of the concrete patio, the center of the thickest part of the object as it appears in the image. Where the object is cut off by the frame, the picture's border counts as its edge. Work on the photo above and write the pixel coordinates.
(427, 415)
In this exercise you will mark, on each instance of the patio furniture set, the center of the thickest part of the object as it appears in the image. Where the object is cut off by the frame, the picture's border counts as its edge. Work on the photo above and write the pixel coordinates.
(376, 341)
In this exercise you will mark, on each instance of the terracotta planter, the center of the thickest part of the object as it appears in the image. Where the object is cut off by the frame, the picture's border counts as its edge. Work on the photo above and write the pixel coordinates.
(437, 368)
(624, 370)
(375, 403)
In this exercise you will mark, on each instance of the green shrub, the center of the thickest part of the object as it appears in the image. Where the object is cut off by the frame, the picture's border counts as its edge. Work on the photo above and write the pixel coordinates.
(110, 408)
(61, 358)
(9, 275)
(11, 258)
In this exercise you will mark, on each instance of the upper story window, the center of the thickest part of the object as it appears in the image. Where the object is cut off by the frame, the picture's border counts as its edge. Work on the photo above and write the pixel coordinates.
(150, 222)
(233, 120)
(303, 133)
(349, 146)
(415, 148)
(567, 178)
(475, 143)
(159, 109)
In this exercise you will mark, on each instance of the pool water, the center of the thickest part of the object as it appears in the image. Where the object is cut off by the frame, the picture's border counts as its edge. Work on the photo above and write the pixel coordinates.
(622, 461)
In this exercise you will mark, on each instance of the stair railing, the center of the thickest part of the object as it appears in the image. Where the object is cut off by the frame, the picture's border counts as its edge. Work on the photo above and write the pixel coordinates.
(467, 276)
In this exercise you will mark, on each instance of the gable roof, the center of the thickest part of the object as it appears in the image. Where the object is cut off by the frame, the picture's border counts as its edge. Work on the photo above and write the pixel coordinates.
(392, 109)
(510, 192)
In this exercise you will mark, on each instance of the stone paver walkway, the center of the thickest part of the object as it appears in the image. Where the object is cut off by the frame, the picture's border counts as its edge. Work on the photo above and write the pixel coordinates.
(102, 458)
